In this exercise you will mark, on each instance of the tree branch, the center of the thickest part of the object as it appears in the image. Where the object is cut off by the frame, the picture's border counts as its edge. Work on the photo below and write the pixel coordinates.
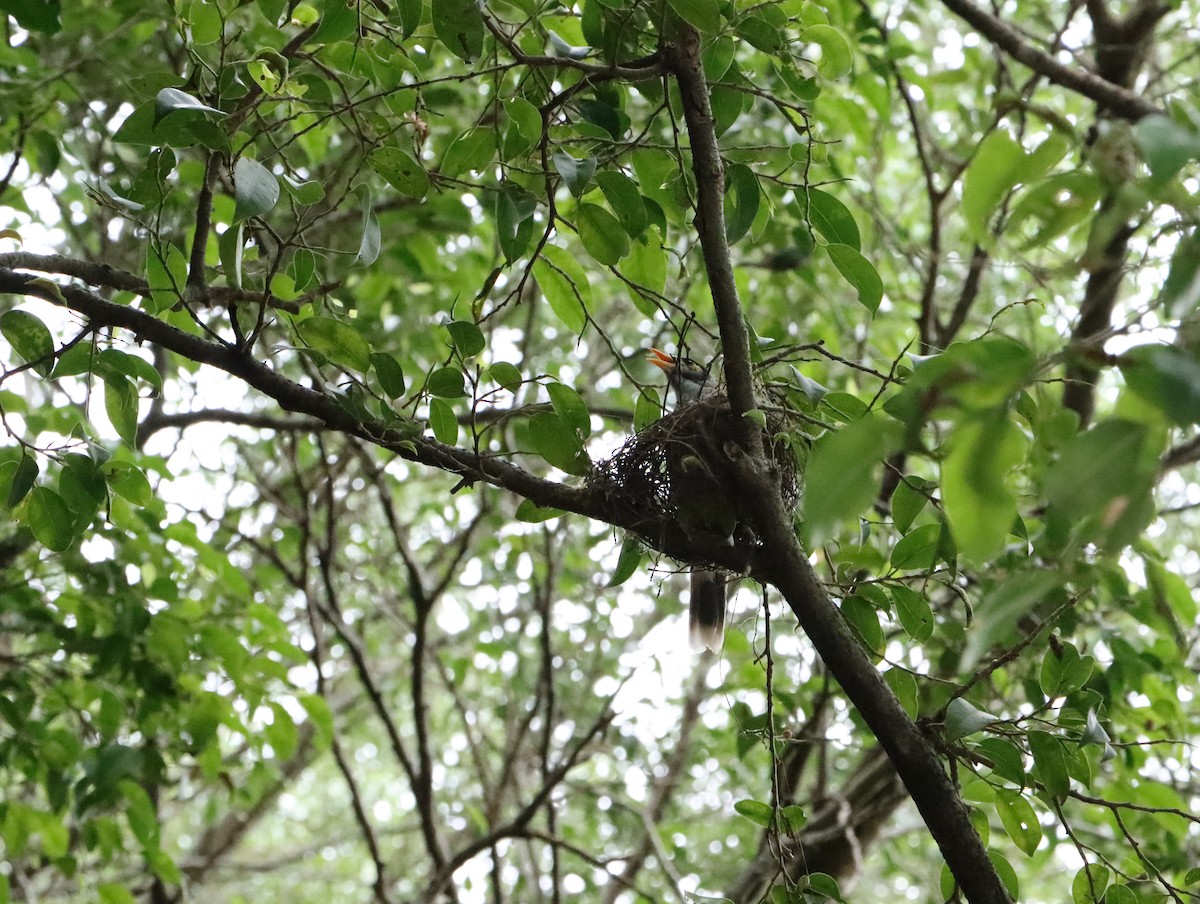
(1120, 101)
(784, 562)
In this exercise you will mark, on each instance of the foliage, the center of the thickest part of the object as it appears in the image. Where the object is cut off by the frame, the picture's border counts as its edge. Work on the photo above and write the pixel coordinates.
(301, 299)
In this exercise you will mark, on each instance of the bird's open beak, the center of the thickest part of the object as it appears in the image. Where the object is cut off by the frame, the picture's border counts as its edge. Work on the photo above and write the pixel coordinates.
(661, 359)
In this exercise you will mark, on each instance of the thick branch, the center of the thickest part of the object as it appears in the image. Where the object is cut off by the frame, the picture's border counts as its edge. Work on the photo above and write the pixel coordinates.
(1120, 101)
(783, 561)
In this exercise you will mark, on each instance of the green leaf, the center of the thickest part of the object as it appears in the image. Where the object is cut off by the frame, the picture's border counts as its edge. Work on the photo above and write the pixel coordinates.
(904, 686)
(338, 341)
(860, 273)
(170, 100)
(918, 549)
(121, 406)
(256, 190)
(756, 811)
(1166, 377)
(506, 374)
(524, 127)
(1167, 146)
(231, 248)
(48, 518)
(864, 618)
(742, 196)
(1181, 289)
(443, 421)
(372, 239)
(531, 513)
(111, 893)
(514, 209)
(400, 170)
(916, 616)
(995, 169)
(576, 174)
(558, 443)
(24, 477)
(626, 201)
(601, 233)
(831, 218)
(979, 505)
(30, 339)
(908, 501)
(840, 482)
(561, 293)
(837, 59)
(705, 15)
(35, 15)
(447, 383)
(1064, 670)
(1089, 884)
(129, 482)
(647, 409)
(1019, 820)
(166, 274)
(389, 373)
(467, 337)
(459, 25)
(963, 719)
(1007, 760)
(632, 553)
(1049, 763)
(569, 406)
(471, 151)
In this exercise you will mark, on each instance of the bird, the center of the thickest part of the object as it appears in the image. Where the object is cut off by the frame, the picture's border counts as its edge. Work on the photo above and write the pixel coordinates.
(701, 513)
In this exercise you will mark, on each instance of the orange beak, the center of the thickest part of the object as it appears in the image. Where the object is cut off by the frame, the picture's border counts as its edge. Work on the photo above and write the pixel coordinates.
(660, 359)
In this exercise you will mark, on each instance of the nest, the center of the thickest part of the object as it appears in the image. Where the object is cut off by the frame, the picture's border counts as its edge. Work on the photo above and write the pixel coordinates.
(683, 466)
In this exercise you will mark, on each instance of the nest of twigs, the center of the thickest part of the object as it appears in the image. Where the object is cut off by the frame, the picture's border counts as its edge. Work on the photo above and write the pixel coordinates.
(690, 455)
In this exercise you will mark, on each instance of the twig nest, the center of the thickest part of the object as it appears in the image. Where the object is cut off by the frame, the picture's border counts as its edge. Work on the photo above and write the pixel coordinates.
(680, 472)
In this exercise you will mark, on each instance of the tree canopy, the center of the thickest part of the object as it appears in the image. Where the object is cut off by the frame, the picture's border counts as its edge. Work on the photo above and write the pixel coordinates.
(323, 324)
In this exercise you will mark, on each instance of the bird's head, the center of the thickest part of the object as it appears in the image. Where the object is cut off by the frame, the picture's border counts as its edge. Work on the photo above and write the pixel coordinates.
(685, 376)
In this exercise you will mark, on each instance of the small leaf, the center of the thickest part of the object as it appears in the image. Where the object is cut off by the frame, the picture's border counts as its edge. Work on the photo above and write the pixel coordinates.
(569, 406)
(129, 483)
(372, 239)
(916, 616)
(563, 49)
(742, 197)
(256, 190)
(48, 518)
(531, 513)
(1019, 821)
(443, 421)
(837, 59)
(1050, 763)
(626, 201)
(390, 374)
(860, 273)
(401, 171)
(832, 219)
(992, 173)
(448, 383)
(632, 553)
(840, 481)
(705, 15)
(514, 209)
(30, 339)
(756, 811)
(121, 406)
(602, 234)
(963, 719)
(555, 441)
(166, 275)
(24, 477)
(1089, 884)
(562, 295)
(467, 337)
(471, 151)
(338, 341)
(576, 174)
(169, 100)
(1167, 146)
(459, 25)
(918, 549)
(506, 374)
(980, 506)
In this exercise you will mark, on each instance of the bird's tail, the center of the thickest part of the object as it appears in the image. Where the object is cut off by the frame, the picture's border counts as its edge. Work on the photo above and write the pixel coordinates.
(706, 610)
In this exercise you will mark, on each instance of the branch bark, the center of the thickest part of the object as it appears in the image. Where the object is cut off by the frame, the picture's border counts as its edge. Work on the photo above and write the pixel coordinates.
(910, 751)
